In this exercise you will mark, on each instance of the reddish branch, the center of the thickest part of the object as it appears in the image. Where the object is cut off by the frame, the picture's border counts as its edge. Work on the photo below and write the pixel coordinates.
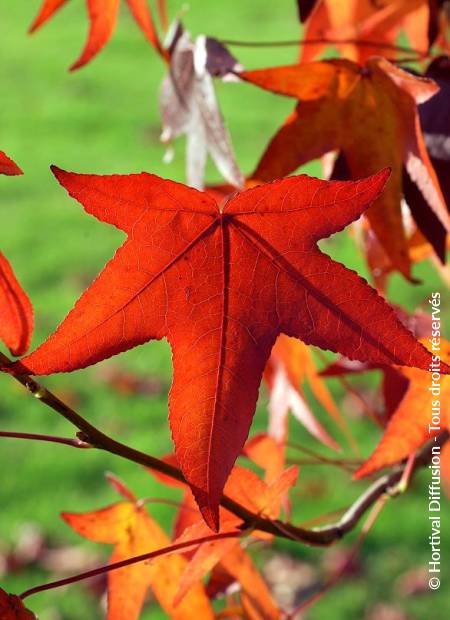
(134, 560)
(319, 537)
(325, 41)
(66, 441)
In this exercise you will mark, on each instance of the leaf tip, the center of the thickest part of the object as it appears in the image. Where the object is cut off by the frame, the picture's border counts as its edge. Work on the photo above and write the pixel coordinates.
(9, 167)
(211, 516)
(56, 170)
(59, 173)
(383, 176)
(365, 470)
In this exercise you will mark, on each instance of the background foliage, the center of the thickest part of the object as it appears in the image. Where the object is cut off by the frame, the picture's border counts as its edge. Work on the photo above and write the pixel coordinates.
(105, 119)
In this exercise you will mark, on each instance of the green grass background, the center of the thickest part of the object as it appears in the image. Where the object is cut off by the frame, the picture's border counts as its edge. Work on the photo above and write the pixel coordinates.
(104, 119)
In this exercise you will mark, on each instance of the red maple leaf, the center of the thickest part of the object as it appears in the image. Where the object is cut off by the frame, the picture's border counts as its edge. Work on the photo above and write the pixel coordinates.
(103, 18)
(221, 284)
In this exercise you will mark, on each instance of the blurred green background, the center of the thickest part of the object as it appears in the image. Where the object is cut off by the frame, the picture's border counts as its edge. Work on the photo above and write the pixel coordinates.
(104, 119)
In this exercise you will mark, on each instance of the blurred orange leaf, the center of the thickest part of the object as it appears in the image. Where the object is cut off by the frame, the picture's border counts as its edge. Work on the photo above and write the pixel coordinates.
(411, 425)
(129, 527)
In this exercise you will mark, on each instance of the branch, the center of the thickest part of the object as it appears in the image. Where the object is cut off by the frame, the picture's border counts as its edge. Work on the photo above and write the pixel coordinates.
(67, 441)
(320, 459)
(325, 41)
(134, 560)
(326, 587)
(323, 536)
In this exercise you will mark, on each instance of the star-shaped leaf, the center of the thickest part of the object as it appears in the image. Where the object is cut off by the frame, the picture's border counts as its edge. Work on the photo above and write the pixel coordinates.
(221, 284)
(249, 491)
(290, 364)
(435, 123)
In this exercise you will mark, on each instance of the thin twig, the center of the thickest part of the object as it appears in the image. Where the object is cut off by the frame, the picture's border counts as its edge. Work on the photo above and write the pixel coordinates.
(346, 384)
(320, 459)
(324, 41)
(67, 441)
(333, 463)
(134, 560)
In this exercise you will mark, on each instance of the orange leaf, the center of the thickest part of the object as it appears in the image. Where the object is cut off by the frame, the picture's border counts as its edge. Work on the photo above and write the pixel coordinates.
(256, 598)
(129, 527)
(249, 491)
(411, 425)
(361, 22)
(221, 286)
(370, 115)
(267, 453)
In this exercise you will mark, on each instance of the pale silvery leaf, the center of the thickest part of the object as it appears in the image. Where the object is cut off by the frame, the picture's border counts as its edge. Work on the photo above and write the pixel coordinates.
(189, 106)
(284, 397)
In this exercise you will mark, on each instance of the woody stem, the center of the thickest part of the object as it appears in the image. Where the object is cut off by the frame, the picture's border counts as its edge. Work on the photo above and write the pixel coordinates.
(324, 41)
(318, 537)
(133, 560)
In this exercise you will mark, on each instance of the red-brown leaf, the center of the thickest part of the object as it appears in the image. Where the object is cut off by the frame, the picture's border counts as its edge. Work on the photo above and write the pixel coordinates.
(221, 286)
(16, 312)
(12, 608)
